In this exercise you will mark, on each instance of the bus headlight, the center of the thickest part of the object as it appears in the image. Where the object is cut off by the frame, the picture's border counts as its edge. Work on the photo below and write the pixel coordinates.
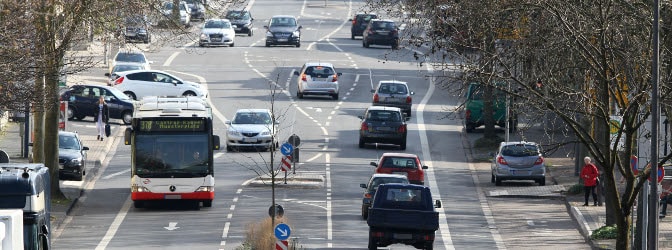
(204, 189)
(137, 188)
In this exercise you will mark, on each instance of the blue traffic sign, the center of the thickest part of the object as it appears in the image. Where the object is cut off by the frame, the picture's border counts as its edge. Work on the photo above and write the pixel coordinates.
(286, 149)
(282, 231)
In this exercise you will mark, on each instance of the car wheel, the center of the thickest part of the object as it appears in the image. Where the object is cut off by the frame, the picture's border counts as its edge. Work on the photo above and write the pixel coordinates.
(498, 181)
(229, 148)
(232, 45)
(298, 44)
(352, 36)
(250, 33)
(335, 97)
(127, 117)
(146, 41)
(268, 45)
(408, 113)
(365, 212)
(402, 145)
(365, 44)
(362, 142)
(395, 45)
(79, 117)
(207, 203)
(200, 45)
(189, 93)
(542, 182)
(138, 204)
(71, 113)
(492, 178)
(429, 245)
(470, 128)
(299, 94)
(373, 244)
(130, 95)
(79, 177)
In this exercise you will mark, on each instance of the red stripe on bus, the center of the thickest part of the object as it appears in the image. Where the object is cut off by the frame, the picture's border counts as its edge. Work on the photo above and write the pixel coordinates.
(162, 196)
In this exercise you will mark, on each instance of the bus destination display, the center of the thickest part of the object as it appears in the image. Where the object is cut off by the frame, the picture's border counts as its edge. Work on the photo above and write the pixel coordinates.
(171, 125)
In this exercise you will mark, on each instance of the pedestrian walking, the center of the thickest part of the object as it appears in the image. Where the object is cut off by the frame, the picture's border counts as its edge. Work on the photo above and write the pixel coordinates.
(589, 174)
(101, 116)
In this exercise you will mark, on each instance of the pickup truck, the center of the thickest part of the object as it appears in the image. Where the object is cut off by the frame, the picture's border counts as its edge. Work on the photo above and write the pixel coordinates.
(403, 213)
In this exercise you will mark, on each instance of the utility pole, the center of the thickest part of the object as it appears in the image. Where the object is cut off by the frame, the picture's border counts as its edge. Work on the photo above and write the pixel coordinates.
(652, 243)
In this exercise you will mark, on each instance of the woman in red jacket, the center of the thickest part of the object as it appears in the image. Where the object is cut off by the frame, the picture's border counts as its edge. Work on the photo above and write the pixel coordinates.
(589, 175)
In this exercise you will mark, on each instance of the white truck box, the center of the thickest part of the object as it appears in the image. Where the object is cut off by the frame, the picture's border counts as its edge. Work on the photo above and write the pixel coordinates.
(11, 229)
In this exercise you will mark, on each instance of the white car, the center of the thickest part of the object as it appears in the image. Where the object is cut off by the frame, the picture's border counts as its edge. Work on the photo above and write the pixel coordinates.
(121, 67)
(317, 78)
(217, 32)
(137, 84)
(252, 128)
(130, 56)
(185, 11)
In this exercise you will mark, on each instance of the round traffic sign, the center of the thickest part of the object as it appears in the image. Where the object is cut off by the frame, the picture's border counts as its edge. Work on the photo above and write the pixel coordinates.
(661, 174)
(282, 231)
(294, 140)
(286, 149)
(276, 210)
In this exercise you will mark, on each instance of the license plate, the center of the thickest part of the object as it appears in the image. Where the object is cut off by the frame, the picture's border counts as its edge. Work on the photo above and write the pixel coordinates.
(401, 173)
(282, 39)
(237, 28)
(392, 99)
(384, 129)
(403, 236)
(216, 40)
(250, 139)
(173, 197)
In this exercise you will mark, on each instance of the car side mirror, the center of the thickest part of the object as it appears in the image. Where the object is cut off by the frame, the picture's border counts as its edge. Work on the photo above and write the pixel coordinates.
(227, 122)
(437, 204)
(425, 167)
(412, 93)
(107, 74)
(362, 185)
(151, 62)
(251, 19)
(373, 163)
(373, 91)
(492, 154)
(85, 148)
(407, 118)
(350, 20)
(296, 73)
(360, 117)
(300, 27)
(44, 229)
(265, 27)
(339, 74)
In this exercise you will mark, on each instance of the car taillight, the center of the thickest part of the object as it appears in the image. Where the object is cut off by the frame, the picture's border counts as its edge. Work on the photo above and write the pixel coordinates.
(467, 114)
(409, 99)
(540, 160)
(402, 128)
(119, 80)
(354, 21)
(364, 127)
(500, 160)
(304, 78)
(375, 98)
(393, 32)
(335, 79)
(367, 195)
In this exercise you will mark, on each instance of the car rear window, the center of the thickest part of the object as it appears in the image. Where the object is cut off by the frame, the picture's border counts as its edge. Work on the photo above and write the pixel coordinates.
(365, 18)
(319, 71)
(393, 88)
(399, 162)
(130, 57)
(383, 115)
(383, 25)
(404, 198)
(520, 150)
(382, 180)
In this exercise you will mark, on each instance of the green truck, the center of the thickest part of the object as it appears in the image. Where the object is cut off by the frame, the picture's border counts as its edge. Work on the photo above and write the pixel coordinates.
(474, 104)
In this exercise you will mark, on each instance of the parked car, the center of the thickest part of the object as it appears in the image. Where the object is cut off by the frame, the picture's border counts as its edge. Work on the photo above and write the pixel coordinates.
(408, 165)
(83, 100)
(283, 30)
(372, 185)
(130, 56)
(393, 93)
(317, 78)
(518, 161)
(242, 19)
(137, 84)
(382, 124)
(217, 32)
(473, 109)
(137, 29)
(252, 128)
(185, 12)
(197, 9)
(405, 214)
(359, 23)
(71, 156)
(121, 67)
(381, 32)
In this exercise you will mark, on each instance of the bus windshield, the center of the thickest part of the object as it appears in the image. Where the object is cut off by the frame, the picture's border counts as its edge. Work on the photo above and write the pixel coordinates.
(172, 155)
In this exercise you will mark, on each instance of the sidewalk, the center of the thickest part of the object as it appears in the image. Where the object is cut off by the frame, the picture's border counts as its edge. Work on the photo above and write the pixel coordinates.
(561, 178)
(10, 137)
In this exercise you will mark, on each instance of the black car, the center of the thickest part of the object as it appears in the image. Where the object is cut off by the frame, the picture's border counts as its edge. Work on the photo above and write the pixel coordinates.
(137, 29)
(359, 23)
(381, 124)
(283, 30)
(71, 156)
(197, 9)
(83, 99)
(381, 32)
(242, 19)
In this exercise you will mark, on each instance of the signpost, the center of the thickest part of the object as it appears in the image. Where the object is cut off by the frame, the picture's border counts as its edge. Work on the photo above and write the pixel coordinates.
(282, 231)
(295, 141)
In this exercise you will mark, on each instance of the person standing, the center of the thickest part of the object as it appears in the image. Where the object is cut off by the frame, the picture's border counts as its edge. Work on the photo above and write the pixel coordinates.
(589, 174)
(101, 116)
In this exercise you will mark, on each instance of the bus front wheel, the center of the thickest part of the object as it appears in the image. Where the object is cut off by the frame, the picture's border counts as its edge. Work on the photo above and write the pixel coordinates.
(138, 204)
(207, 203)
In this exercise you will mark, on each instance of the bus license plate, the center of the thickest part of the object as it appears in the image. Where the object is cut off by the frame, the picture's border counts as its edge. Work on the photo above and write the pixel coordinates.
(173, 197)
(403, 236)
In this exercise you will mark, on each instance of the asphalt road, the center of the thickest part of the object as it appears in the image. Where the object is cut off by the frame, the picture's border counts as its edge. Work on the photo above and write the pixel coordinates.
(250, 75)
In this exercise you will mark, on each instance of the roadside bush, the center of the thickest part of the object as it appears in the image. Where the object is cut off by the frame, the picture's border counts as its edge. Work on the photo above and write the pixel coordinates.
(260, 236)
(575, 189)
(604, 233)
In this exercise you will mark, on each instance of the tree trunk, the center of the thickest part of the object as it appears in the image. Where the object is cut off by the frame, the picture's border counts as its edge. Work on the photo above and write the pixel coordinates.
(38, 121)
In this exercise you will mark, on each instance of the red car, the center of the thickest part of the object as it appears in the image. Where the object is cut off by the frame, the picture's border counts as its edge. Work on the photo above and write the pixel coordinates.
(401, 163)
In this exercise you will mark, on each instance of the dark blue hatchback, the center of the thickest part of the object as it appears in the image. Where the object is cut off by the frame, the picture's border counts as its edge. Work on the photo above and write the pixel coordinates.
(83, 99)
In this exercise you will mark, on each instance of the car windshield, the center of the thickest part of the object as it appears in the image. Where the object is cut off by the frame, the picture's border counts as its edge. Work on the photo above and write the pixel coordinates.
(130, 57)
(520, 150)
(252, 118)
(383, 25)
(383, 115)
(217, 25)
(283, 21)
(68, 142)
(392, 88)
(121, 68)
(237, 15)
(399, 162)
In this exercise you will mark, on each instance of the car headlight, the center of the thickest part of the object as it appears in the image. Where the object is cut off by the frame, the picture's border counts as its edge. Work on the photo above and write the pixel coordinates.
(234, 133)
(137, 188)
(76, 161)
(204, 36)
(204, 189)
(269, 34)
(296, 33)
(266, 133)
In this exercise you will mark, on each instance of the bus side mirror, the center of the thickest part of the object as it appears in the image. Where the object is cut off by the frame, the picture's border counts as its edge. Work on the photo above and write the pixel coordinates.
(215, 142)
(437, 204)
(44, 230)
(127, 136)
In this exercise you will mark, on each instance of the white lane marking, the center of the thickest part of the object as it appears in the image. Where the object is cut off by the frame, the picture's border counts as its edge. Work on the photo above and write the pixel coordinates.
(116, 174)
(445, 231)
(217, 155)
(233, 207)
(112, 230)
(170, 59)
(329, 222)
(371, 78)
(314, 157)
(345, 20)
(530, 223)
(225, 233)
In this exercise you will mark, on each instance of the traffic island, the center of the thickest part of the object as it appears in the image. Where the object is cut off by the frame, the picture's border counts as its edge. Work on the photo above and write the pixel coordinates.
(293, 181)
